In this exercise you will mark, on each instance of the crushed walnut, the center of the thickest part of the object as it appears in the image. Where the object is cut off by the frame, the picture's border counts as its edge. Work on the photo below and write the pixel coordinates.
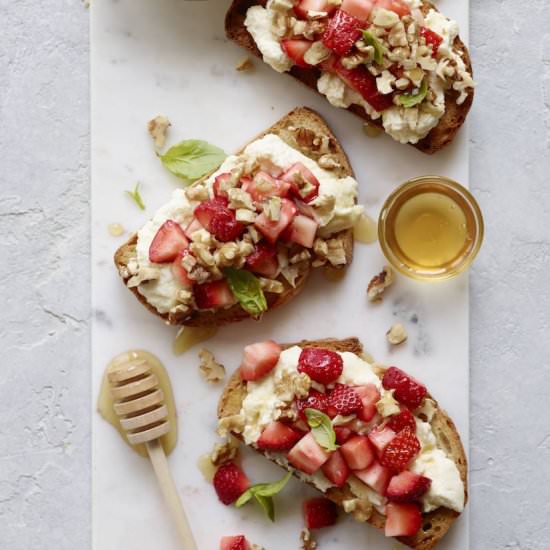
(144, 275)
(397, 334)
(379, 284)
(211, 370)
(230, 424)
(224, 452)
(307, 540)
(158, 128)
(329, 162)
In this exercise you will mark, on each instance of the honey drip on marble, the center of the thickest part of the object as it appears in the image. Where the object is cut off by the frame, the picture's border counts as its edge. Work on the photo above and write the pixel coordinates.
(188, 337)
(365, 230)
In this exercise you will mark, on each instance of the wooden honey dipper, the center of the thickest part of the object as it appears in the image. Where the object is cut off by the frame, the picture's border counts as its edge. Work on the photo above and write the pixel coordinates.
(138, 401)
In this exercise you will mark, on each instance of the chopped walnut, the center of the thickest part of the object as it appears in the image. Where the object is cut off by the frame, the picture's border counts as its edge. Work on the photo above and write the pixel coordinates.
(254, 234)
(227, 255)
(379, 284)
(307, 540)
(302, 256)
(224, 452)
(185, 297)
(363, 511)
(329, 162)
(202, 236)
(287, 412)
(210, 368)
(158, 128)
(352, 61)
(240, 199)
(202, 254)
(272, 208)
(245, 215)
(144, 275)
(316, 53)
(271, 285)
(350, 505)
(397, 334)
(336, 252)
(244, 64)
(387, 405)
(178, 311)
(197, 193)
(230, 424)
(290, 385)
(427, 411)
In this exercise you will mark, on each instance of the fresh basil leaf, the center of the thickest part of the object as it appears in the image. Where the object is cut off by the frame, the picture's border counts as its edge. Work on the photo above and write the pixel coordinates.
(371, 40)
(411, 100)
(192, 159)
(271, 489)
(267, 505)
(322, 429)
(135, 195)
(244, 498)
(246, 288)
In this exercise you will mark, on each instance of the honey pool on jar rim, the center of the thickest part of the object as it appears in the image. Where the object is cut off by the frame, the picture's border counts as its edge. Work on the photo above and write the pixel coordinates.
(430, 228)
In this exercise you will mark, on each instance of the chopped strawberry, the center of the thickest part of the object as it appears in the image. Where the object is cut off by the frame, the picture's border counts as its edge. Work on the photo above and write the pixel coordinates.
(167, 243)
(265, 186)
(376, 476)
(408, 391)
(234, 543)
(381, 437)
(307, 455)
(179, 272)
(408, 487)
(342, 31)
(369, 395)
(302, 231)
(365, 84)
(214, 295)
(405, 419)
(278, 437)
(263, 261)
(195, 225)
(206, 210)
(220, 184)
(315, 400)
(306, 210)
(303, 7)
(358, 452)
(218, 219)
(360, 9)
(432, 38)
(296, 49)
(336, 469)
(343, 400)
(259, 359)
(230, 483)
(402, 520)
(342, 434)
(272, 229)
(322, 365)
(320, 512)
(303, 182)
(397, 6)
(401, 451)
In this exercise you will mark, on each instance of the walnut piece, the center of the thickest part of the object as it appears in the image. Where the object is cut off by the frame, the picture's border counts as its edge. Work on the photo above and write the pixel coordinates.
(379, 284)
(230, 424)
(307, 540)
(224, 452)
(397, 334)
(209, 367)
(244, 64)
(158, 128)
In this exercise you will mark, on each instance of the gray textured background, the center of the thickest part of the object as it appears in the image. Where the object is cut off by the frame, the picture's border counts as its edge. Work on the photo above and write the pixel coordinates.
(45, 290)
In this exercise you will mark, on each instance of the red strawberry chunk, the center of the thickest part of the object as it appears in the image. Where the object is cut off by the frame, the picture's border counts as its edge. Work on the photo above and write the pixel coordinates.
(278, 437)
(214, 295)
(322, 365)
(342, 31)
(369, 395)
(259, 359)
(303, 7)
(343, 400)
(381, 437)
(342, 434)
(167, 243)
(376, 476)
(272, 229)
(218, 219)
(405, 419)
(179, 272)
(408, 487)
(307, 455)
(402, 520)
(315, 400)
(296, 49)
(234, 543)
(360, 9)
(336, 469)
(320, 512)
(408, 391)
(401, 451)
(358, 452)
(302, 231)
(221, 183)
(195, 225)
(265, 186)
(303, 182)
(397, 6)
(432, 38)
(230, 482)
(263, 261)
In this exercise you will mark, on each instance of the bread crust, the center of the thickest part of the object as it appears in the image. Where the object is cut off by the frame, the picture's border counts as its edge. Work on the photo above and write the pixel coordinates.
(301, 117)
(435, 524)
(440, 136)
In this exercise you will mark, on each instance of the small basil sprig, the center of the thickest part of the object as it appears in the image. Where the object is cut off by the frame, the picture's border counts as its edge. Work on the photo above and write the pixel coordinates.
(263, 493)
(192, 159)
(371, 40)
(322, 429)
(135, 195)
(247, 289)
(412, 100)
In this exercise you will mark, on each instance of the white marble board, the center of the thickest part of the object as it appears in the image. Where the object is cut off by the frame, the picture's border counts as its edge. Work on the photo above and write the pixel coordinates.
(171, 57)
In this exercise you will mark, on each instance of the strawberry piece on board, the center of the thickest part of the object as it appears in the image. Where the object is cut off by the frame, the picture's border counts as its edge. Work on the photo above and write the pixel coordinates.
(360, 9)
(405, 419)
(320, 512)
(213, 295)
(432, 38)
(259, 359)
(193, 226)
(369, 395)
(272, 229)
(278, 437)
(336, 469)
(322, 365)
(230, 482)
(401, 451)
(408, 487)
(234, 543)
(302, 231)
(397, 6)
(307, 455)
(408, 391)
(263, 261)
(220, 184)
(358, 452)
(303, 7)
(376, 476)
(342, 434)
(167, 243)
(265, 186)
(179, 272)
(342, 31)
(303, 182)
(381, 437)
(315, 400)
(218, 219)
(296, 49)
(343, 400)
(402, 520)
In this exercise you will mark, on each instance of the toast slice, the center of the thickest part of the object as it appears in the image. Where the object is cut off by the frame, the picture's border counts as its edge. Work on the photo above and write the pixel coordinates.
(298, 129)
(441, 135)
(435, 524)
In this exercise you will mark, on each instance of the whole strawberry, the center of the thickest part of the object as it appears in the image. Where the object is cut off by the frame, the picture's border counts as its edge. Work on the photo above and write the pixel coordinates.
(315, 400)
(343, 400)
(408, 391)
(230, 482)
(401, 451)
(322, 365)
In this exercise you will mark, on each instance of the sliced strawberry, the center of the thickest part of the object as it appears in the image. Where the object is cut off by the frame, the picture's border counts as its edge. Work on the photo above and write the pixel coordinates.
(265, 186)
(195, 225)
(306, 210)
(278, 437)
(402, 520)
(405, 419)
(315, 400)
(230, 482)
(296, 49)
(376, 476)
(302, 231)
(342, 434)
(320, 512)
(218, 219)
(343, 400)
(303, 7)
(272, 229)
(167, 243)
(220, 183)
(369, 395)
(432, 38)
(381, 437)
(358, 452)
(408, 487)
(179, 272)
(322, 365)
(397, 6)
(234, 543)
(259, 359)
(214, 295)
(360, 9)
(336, 469)
(303, 182)
(401, 451)
(307, 455)
(206, 210)
(408, 391)
(263, 261)
(342, 31)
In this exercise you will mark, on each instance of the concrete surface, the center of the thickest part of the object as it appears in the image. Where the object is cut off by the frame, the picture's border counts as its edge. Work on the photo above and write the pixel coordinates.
(44, 269)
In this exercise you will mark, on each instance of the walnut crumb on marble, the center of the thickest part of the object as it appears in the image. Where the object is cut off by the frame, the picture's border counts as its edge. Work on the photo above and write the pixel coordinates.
(397, 334)
(307, 540)
(158, 128)
(379, 284)
(224, 452)
(211, 370)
